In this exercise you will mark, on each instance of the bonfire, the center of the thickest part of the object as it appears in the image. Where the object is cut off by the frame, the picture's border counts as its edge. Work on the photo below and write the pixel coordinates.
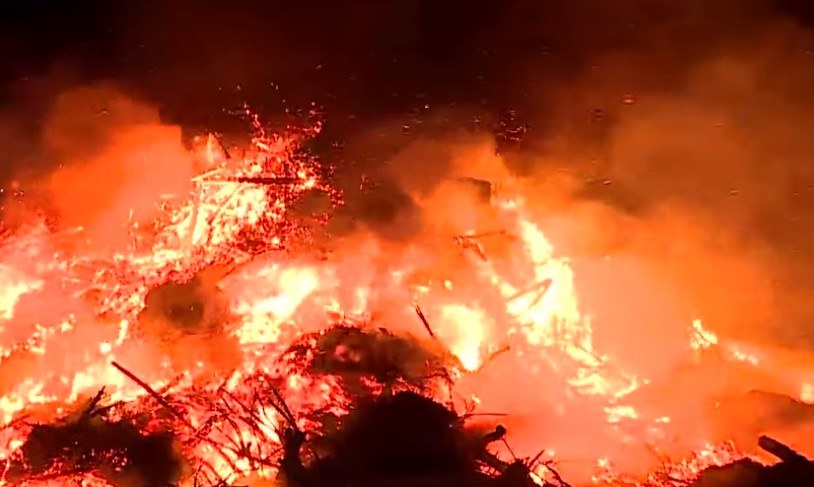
(228, 330)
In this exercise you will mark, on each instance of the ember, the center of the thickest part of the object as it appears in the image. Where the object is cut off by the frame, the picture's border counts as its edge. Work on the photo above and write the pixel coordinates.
(225, 342)
(114, 450)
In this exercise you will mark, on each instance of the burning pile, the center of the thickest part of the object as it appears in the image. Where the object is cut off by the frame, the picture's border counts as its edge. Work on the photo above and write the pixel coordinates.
(206, 349)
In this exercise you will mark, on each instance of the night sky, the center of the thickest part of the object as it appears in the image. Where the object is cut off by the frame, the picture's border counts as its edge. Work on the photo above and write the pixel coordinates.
(362, 58)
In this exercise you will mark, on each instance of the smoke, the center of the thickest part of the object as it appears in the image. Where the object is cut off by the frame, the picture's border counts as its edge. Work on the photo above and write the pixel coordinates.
(112, 160)
(718, 170)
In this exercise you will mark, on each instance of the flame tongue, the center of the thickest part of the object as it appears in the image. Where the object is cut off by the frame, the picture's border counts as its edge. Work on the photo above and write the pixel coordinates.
(207, 320)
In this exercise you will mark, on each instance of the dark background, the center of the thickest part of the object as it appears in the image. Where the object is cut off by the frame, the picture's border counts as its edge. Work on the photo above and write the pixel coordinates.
(367, 59)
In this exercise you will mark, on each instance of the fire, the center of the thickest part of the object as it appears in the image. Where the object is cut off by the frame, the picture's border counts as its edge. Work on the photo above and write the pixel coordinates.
(233, 229)
(468, 325)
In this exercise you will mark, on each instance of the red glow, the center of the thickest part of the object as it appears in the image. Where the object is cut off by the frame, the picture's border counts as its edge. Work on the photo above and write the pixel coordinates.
(555, 378)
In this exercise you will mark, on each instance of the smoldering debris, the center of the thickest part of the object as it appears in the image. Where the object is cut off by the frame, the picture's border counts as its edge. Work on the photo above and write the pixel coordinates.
(357, 354)
(391, 436)
(90, 442)
(403, 439)
(793, 470)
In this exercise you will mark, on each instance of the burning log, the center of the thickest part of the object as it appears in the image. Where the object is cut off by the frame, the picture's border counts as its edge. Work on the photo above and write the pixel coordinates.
(781, 451)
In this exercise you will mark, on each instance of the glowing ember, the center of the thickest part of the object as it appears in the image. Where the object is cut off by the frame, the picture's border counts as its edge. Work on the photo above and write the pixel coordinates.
(229, 235)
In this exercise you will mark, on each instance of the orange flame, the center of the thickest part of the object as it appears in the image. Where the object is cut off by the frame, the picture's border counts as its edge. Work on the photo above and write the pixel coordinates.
(527, 299)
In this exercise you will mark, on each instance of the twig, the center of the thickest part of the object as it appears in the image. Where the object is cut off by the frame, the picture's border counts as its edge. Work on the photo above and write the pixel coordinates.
(470, 243)
(424, 321)
(533, 461)
(256, 420)
(260, 180)
(163, 402)
(541, 288)
(492, 233)
(219, 211)
(506, 444)
(155, 395)
(281, 407)
(492, 356)
(556, 475)
(90, 410)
